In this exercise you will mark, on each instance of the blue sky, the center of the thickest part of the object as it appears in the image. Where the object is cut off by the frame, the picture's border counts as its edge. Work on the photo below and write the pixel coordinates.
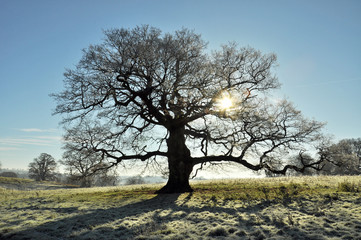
(317, 43)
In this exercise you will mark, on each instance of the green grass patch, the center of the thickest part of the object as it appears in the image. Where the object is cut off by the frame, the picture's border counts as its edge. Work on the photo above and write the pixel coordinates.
(264, 189)
(8, 180)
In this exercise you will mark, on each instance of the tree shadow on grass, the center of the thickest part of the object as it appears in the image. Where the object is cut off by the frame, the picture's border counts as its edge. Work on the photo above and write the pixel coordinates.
(88, 225)
(150, 217)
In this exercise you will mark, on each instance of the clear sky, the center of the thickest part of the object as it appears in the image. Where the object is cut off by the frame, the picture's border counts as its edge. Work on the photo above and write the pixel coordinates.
(318, 44)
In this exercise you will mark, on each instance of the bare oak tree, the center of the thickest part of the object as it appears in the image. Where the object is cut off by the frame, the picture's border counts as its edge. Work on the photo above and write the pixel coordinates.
(144, 95)
(43, 168)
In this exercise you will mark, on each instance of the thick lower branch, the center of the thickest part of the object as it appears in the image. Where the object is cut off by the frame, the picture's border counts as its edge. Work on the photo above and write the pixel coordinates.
(314, 165)
(141, 157)
(226, 159)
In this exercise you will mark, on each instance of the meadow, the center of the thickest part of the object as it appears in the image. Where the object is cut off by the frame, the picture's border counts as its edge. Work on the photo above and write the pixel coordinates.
(321, 207)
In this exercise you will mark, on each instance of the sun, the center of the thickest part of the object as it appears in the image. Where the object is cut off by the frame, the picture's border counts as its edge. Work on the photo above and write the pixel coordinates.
(225, 103)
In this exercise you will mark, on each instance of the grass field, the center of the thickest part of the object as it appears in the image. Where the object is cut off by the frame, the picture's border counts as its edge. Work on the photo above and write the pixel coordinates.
(271, 208)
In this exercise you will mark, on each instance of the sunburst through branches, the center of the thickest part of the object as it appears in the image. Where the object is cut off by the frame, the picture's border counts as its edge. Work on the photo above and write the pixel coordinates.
(225, 103)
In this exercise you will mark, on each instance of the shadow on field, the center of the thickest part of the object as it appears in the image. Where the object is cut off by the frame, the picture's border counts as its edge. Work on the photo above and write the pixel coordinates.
(151, 217)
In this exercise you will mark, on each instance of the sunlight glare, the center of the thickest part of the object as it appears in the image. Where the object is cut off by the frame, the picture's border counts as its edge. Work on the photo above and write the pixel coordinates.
(225, 103)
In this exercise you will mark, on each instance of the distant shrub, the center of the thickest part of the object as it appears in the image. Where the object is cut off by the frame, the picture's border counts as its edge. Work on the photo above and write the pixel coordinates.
(134, 180)
(9, 174)
(347, 187)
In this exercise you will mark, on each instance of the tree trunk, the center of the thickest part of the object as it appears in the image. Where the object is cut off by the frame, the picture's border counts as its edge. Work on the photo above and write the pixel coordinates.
(179, 163)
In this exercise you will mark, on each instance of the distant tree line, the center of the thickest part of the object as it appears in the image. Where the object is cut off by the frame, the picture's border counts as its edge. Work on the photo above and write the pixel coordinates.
(81, 169)
(134, 180)
(44, 168)
(343, 158)
(8, 174)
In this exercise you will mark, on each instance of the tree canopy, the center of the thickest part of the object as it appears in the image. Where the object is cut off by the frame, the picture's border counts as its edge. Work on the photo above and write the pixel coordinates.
(147, 95)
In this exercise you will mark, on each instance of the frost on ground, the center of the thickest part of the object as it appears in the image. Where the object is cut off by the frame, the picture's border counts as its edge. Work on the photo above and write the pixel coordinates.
(113, 213)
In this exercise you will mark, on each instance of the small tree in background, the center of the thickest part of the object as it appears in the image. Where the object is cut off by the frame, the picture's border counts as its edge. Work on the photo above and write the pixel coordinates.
(345, 158)
(86, 168)
(43, 168)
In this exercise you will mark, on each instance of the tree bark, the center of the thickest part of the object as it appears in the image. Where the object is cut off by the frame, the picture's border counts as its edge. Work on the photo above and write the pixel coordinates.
(180, 164)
